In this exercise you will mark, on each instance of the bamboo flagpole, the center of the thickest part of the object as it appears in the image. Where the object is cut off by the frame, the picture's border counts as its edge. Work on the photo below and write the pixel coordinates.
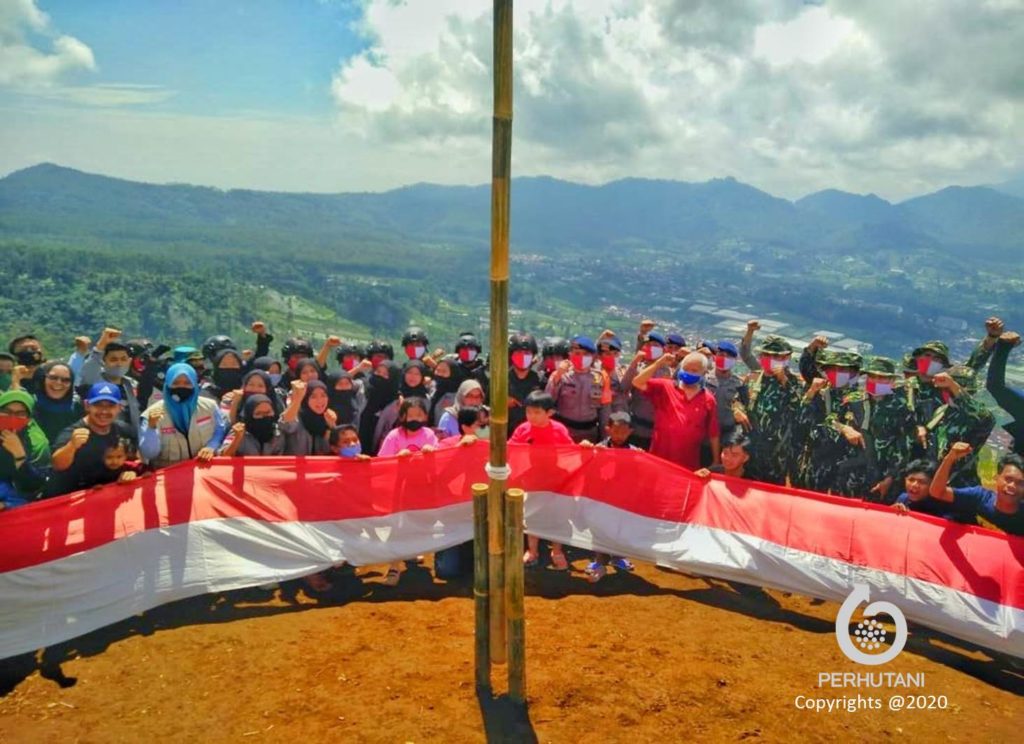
(514, 595)
(497, 469)
(482, 651)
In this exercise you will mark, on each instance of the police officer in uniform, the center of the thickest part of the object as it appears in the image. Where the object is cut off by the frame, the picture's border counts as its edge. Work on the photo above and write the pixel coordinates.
(581, 392)
(651, 349)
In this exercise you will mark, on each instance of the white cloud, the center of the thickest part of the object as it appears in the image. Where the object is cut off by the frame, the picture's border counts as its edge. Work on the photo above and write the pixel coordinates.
(792, 96)
(25, 67)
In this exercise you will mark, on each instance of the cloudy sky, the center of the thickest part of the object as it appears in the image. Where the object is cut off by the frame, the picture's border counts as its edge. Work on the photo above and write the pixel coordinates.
(895, 97)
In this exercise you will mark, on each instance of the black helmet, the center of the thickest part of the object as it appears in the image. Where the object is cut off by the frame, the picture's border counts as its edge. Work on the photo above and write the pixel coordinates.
(348, 348)
(555, 346)
(139, 347)
(522, 342)
(380, 347)
(468, 341)
(217, 343)
(415, 335)
(296, 347)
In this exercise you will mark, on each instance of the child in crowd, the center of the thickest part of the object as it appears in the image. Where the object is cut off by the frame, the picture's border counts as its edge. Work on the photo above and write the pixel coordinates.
(344, 442)
(735, 456)
(617, 434)
(121, 461)
(411, 435)
(469, 424)
(540, 428)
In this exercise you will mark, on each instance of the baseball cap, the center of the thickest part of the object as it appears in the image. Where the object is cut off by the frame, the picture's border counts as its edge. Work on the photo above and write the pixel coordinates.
(620, 417)
(103, 392)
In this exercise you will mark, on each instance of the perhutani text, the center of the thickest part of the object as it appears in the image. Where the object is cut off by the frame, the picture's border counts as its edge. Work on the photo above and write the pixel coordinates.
(870, 679)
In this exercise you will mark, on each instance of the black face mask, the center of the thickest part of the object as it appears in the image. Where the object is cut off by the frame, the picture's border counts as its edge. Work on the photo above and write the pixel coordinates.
(29, 357)
(181, 394)
(413, 425)
(261, 428)
(228, 379)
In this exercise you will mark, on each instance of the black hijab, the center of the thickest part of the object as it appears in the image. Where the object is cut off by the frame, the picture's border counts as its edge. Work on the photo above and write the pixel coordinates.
(342, 402)
(226, 380)
(261, 428)
(314, 423)
(380, 393)
(418, 391)
(271, 393)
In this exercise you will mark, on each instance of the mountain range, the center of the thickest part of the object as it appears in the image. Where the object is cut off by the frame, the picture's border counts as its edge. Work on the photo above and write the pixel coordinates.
(548, 215)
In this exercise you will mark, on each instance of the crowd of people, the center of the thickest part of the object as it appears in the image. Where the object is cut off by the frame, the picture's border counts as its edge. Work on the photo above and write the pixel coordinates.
(906, 433)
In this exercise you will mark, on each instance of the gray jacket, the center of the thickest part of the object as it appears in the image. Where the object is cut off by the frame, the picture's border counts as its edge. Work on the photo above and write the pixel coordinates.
(92, 372)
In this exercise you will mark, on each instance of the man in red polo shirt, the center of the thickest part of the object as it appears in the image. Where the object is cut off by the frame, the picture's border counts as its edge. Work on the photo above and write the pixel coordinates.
(685, 414)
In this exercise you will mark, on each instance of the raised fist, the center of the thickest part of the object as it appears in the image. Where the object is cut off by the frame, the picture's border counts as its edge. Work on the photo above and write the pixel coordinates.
(960, 450)
(79, 437)
(108, 335)
(1010, 337)
(298, 389)
(333, 341)
(994, 326)
(753, 325)
(238, 429)
(82, 343)
(646, 326)
(259, 328)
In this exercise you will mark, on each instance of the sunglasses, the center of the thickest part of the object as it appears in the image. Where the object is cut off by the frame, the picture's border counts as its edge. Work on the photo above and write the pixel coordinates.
(62, 380)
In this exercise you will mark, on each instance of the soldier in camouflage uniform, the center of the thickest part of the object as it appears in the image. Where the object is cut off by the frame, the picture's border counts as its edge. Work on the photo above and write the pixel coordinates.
(878, 425)
(960, 418)
(824, 448)
(773, 410)
(924, 398)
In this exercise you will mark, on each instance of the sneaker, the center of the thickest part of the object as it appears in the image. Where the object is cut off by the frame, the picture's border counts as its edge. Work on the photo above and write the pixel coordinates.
(621, 564)
(596, 572)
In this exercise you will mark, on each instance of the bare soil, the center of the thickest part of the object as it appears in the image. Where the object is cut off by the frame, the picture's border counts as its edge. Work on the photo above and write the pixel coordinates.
(649, 656)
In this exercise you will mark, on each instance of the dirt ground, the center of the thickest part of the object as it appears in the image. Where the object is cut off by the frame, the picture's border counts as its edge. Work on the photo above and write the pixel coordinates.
(648, 656)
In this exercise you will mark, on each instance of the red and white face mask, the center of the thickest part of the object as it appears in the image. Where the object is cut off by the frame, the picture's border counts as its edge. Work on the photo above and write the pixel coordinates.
(581, 361)
(550, 363)
(724, 362)
(608, 361)
(928, 366)
(838, 378)
(876, 386)
(467, 354)
(376, 359)
(348, 363)
(653, 352)
(415, 351)
(522, 359)
(771, 363)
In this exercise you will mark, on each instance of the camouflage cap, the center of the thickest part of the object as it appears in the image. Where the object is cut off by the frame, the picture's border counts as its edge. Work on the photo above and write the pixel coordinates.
(937, 348)
(836, 358)
(881, 366)
(964, 376)
(774, 345)
(909, 365)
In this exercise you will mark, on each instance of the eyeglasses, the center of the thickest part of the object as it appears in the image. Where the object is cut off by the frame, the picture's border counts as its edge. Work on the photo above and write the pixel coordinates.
(62, 380)
(20, 413)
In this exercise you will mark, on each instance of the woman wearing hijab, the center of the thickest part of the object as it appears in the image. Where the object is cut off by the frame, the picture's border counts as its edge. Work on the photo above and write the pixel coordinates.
(269, 365)
(184, 425)
(446, 383)
(381, 393)
(57, 404)
(255, 382)
(257, 432)
(346, 396)
(24, 450)
(470, 393)
(307, 422)
(413, 385)
(227, 374)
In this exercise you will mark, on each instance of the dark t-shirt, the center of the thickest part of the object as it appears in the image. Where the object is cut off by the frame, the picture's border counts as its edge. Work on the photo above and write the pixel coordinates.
(87, 469)
(982, 503)
(935, 508)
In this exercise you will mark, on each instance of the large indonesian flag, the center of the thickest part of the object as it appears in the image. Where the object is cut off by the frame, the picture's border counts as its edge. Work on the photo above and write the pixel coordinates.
(79, 562)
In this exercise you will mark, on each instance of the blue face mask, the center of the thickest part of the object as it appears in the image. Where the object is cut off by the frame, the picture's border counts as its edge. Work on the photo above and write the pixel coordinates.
(275, 378)
(351, 450)
(688, 378)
